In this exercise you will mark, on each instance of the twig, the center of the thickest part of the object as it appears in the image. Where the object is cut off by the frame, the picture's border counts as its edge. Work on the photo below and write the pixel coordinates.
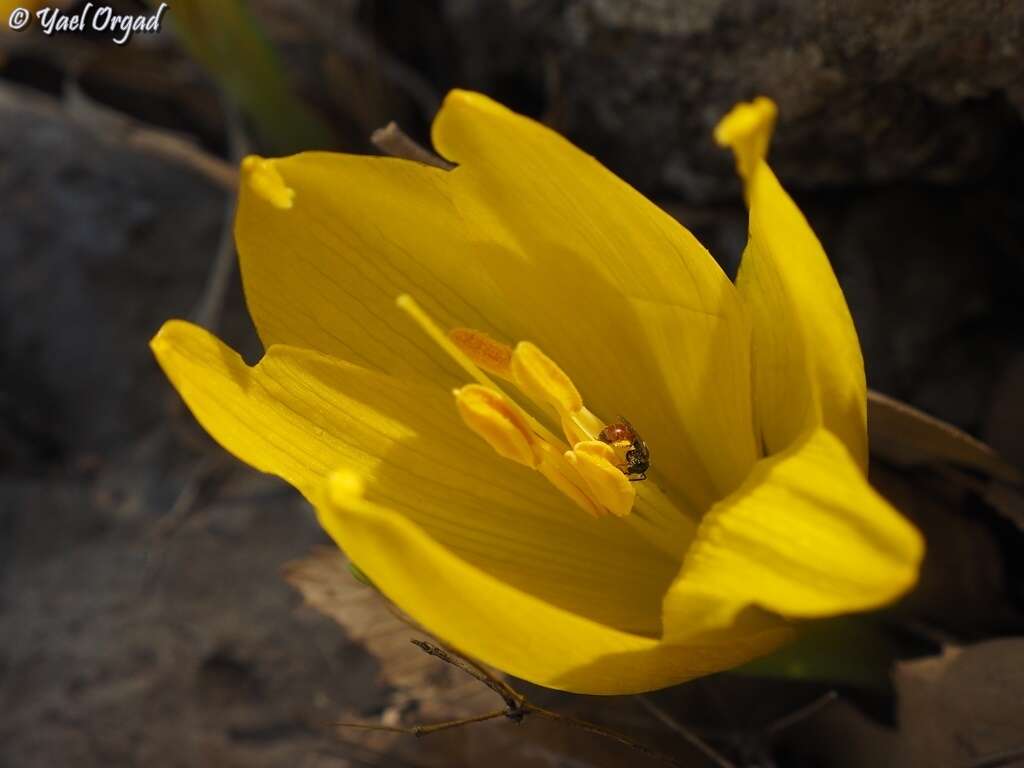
(600, 730)
(804, 712)
(185, 502)
(122, 130)
(999, 760)
(179, 151)
(921, 630)
(512, 698)
(426, 730)
(693, 739)
(516, 709)
(393, 141)
(208, 310)
(111, 125)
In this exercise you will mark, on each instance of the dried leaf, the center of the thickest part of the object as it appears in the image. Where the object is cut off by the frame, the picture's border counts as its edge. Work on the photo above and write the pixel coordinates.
(427, 690)
(962, 707)
(1004, 427)
(1006, 500)
(326, 583)
(963, 586)
(843, 737)
(904, 436)
(963, 583)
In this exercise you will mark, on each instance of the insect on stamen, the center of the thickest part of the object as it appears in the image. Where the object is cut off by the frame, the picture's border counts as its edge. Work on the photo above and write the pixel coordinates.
(621, 436)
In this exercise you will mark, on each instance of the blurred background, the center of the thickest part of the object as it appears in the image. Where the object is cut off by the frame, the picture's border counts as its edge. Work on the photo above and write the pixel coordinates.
(161, 605)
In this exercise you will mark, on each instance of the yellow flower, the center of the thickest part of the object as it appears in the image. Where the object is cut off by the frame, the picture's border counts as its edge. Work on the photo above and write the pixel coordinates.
(566, 299)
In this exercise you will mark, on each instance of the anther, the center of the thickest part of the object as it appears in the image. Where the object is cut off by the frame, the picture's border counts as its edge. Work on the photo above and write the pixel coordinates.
(540, 379)
(591, 474)
(498, 421)
(566, 478)
(596, 463)
(407, 304)
(493, 356)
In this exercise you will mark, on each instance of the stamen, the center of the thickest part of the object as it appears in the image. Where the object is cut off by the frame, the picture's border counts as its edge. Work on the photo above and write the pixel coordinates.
(564, 476)
(595, 461)
(540, 378)
(499, 421)
(589, 473)
(581, 425)
(408, 305)
(267, 182)
(493, 356)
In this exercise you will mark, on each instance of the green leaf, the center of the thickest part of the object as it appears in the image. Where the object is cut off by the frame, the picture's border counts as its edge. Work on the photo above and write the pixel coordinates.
(227, 40)
(851, 650)
(359, 576)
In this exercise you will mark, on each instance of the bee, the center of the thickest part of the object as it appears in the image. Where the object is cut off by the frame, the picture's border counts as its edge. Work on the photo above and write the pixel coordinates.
(621, 436)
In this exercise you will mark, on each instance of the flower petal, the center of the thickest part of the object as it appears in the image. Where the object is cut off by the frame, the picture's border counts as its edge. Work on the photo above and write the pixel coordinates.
(326, 244)
(299, 415)
(625, 299)
(805, 537)
(808, 367)
(511, 629)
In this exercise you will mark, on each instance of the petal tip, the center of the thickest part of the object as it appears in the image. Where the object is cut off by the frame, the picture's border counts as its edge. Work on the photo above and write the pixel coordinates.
(463, 97)
(747, 130)
(263, 177)
(461, 106)
(917, 549)
(158, 344)
(745, 119)
(163, 340)
(344, 486)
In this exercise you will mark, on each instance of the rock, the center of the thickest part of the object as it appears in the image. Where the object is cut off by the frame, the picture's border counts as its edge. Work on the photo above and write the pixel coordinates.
(99, 246)
(869, 91)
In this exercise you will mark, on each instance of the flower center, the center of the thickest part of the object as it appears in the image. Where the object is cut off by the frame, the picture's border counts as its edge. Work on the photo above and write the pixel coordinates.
(594, 463)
